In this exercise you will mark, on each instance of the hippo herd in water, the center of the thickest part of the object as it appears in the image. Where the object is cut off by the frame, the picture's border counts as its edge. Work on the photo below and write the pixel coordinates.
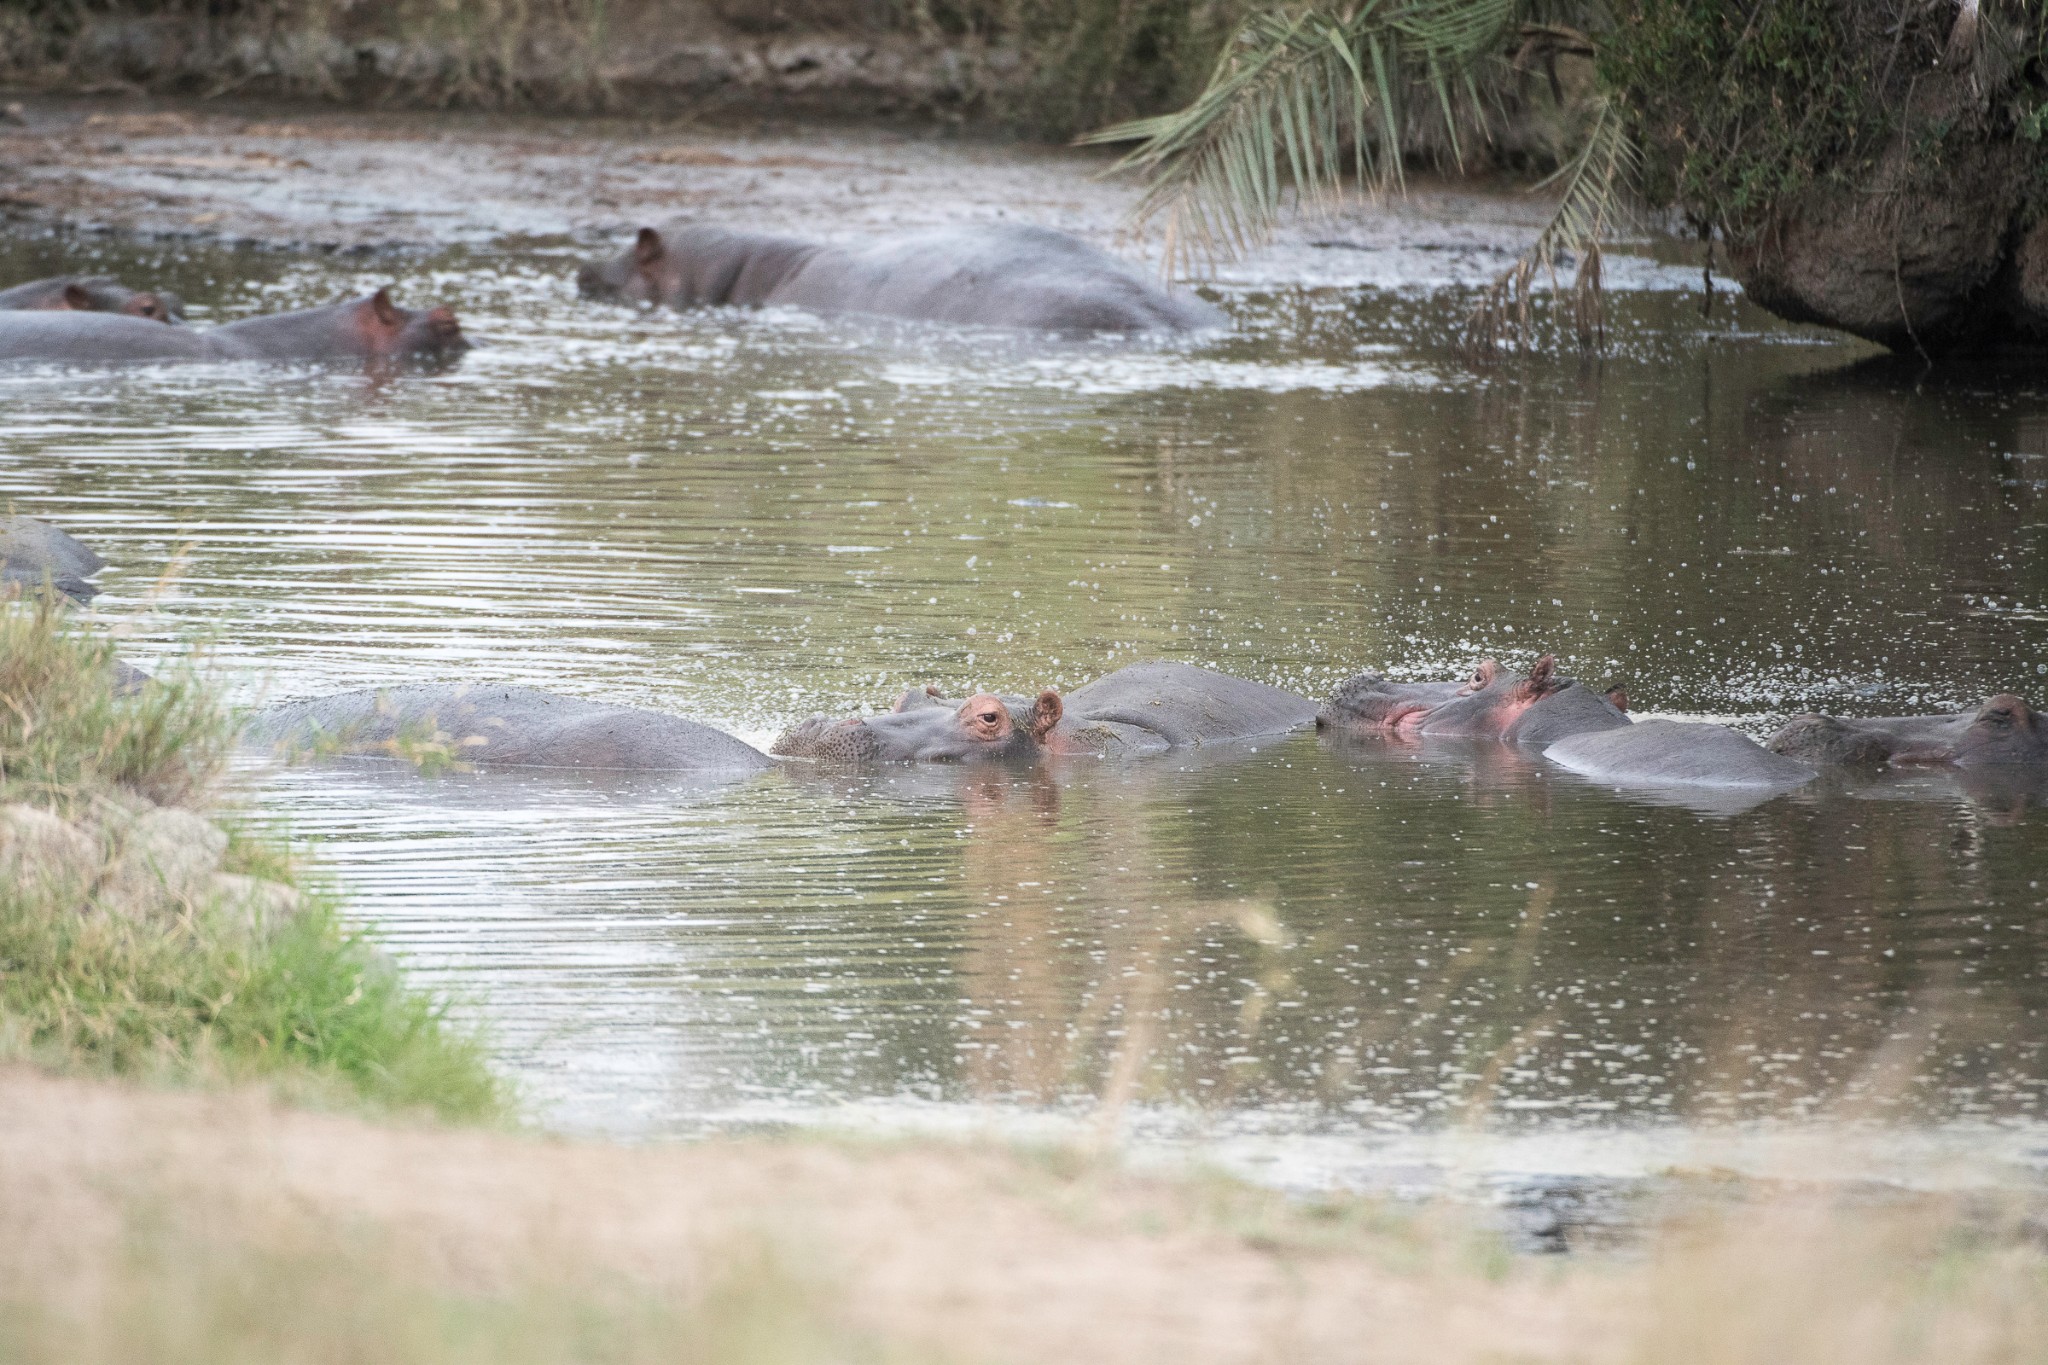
(993, 275)
(998, 276)
(1140, 710)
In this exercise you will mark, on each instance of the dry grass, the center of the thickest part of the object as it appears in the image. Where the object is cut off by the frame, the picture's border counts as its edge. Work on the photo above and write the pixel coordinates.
(176, 1227)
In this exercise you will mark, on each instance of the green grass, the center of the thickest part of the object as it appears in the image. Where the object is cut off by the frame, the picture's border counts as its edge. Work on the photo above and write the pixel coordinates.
(187, 995)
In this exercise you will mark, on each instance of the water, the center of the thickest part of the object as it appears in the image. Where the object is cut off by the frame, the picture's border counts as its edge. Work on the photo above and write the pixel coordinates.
(1321, 962)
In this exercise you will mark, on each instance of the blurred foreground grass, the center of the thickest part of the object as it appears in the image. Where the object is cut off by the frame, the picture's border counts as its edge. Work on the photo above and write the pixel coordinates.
(127, 941)
(179, 1227)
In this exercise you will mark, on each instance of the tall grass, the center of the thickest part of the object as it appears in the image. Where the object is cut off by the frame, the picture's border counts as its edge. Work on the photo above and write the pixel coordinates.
(188, 993)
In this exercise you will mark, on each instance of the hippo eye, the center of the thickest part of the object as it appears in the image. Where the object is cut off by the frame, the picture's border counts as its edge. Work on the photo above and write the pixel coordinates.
(988, 718)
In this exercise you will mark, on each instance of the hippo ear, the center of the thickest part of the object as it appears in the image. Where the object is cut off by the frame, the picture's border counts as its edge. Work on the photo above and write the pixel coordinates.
(1045, 714)
(384, 310)
(76, 298)
(648, 247)
(1543, 677)
(1618, 698)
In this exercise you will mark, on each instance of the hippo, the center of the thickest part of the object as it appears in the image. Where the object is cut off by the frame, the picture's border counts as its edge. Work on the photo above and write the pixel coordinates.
(373, 330)
(984, 727)
(1493, 700)
(500, 726)
(2002, 731)
(93, 294)
(1370, 703)
(1672, 753)
(1574, 709)
(1155, 705)
(33, 552)
(991, 275)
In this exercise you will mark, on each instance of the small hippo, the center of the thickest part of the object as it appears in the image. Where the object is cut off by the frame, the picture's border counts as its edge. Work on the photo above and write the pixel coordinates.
(33, 552)
(983, 727)
(500, 726)
(372, 330)
(93, 294)
(999, 275)
(1671, 753)
(1572, 710)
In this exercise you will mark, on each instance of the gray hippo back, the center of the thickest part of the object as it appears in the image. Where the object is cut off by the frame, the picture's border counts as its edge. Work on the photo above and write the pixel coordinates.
(1000, 275)
(1671, 753)
(1159, 704)
(33, 551)
(500, 725)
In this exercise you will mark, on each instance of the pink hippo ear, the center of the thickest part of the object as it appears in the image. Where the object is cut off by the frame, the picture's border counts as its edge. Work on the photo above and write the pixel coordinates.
(1618, 698)
(1542, 679)
(648, 247)
(76, 299)
(1045, 714)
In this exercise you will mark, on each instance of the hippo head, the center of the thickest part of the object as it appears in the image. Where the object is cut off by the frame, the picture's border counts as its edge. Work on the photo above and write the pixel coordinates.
(1830, 741)
(1370, 703)
(624, 278)
(687, 265)
(2005, 730)
(387, 332)
(1495, 699)
(97, 294)
(984, 726)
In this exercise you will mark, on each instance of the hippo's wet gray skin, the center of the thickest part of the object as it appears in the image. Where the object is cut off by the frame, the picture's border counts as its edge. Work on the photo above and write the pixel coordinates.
(1153, 706)
(2003, 731)
(1494, 700)
(373, 331)
(1671, 753)
(1370, 703)
(982, 727)
(500, 726)
(33, 552)
(990, 276)
(1573, 710)
(92, 294)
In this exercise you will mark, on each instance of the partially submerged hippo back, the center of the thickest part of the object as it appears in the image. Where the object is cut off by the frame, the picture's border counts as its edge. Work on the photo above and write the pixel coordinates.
(93, 294)
(984, 727)
(372, 330)
(1670, 753)
(1158, 704)
(33, 552)
(1000, 275)
(511, 726)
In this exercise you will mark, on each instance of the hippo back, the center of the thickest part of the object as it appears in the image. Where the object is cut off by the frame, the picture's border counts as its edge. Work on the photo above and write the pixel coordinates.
(991, 276)
(1670, 753)
(81, 338)
(502, 726)
(1182, 704)
(1576, 710)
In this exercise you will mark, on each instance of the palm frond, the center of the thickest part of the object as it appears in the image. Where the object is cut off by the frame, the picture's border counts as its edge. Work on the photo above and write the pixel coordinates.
(1290, 96)
(1598, 186)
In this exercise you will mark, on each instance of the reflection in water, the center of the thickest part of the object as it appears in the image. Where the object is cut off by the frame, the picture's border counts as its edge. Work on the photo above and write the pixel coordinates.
(1316, 945)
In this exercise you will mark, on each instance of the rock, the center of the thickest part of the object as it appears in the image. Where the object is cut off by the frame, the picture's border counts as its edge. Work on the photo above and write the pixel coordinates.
(37, 847)
(255, 903)
(167, 859)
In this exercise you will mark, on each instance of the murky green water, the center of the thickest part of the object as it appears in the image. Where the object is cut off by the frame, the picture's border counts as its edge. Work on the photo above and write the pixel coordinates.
(1330, 960)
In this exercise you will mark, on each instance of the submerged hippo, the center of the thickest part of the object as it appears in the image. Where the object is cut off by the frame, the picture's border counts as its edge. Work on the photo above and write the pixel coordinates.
(2003, 731)
(989, 275)
(983, 727)
(33, 552)
(93, 294)
(373, 330)
(500, 725)
(1538, 707)
(1672, 753)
